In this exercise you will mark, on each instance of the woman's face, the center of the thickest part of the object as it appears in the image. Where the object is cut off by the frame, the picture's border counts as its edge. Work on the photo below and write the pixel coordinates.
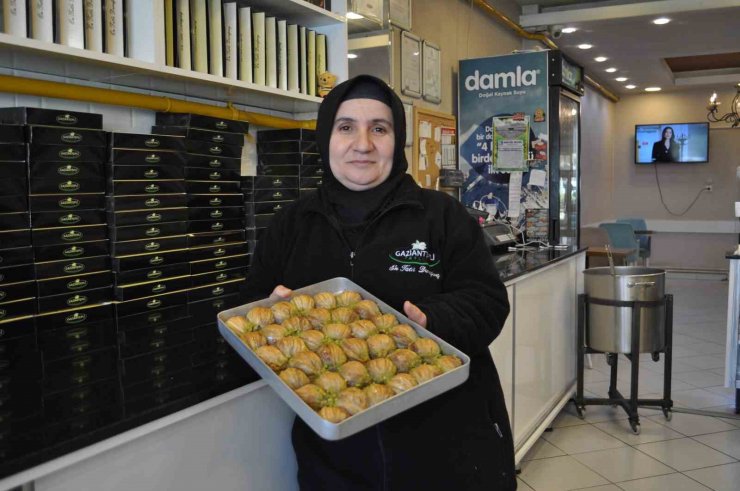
(362, 144)
(667, 134)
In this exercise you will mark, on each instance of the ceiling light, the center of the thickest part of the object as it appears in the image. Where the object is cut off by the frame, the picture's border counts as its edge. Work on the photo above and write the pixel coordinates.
(351, 56)
(661, 20)
(569, 30)
(610, 70)
(354, 16)
(630, 86)
(585, 46)
(652, 89)
(621, 79)
(732, 116)
(600, 59)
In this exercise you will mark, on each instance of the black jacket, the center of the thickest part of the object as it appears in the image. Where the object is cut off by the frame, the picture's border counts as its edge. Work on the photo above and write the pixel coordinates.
(422, 247)
(663, 154)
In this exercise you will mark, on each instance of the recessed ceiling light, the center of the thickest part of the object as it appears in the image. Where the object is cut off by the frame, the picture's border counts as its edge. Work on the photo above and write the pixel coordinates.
(585, 46)
(630, 86)
(351, 56)
(652, 89)
(621, 79)
(610, 70)
(600, 59)
(661, 20)
(354, 16)
(569, 30)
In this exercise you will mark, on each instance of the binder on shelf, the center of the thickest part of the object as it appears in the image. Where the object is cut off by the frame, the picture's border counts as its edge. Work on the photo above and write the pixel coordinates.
(199, 29)
(311, 63)
(245, 44)
(282, 54)
(93, 11)
(258, 45)
(14, 17)
(114, 27)
(169, 32)
(215, 39)
(230, 39)
(183, 57)
(144, 22)
(293, 59)
(271, 52)
(42, 20)
(303, 59)
(70, 24)
(321, 63)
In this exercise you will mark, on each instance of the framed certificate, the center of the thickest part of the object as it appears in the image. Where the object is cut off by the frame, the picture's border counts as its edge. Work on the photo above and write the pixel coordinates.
(410, 65)
(431, 85)
(372, 9)
(408, 110)
(400, 13)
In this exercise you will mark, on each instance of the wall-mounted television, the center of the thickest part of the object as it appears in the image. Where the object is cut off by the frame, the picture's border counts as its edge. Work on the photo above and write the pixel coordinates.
(674, 143)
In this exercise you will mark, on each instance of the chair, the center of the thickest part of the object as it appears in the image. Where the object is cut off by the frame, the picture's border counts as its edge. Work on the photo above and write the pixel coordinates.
(622, 236)
(643, 240)
(594, 237)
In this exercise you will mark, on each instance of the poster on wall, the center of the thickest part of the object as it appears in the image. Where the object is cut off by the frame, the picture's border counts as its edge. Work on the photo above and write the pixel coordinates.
(503, 136)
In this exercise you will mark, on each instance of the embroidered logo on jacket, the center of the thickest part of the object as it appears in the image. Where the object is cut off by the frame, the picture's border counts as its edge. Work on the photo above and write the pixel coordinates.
(416, 259)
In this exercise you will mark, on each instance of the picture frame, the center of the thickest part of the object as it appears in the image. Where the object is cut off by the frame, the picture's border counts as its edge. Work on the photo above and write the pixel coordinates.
(431, 66)
(408, 110)
(411, 55)
(370, 9)
(400, 13)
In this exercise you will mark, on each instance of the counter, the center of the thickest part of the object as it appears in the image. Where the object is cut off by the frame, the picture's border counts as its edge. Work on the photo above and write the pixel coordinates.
(732, 369)
(241, 439)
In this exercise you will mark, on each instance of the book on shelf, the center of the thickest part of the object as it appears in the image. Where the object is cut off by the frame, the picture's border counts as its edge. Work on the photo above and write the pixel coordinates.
(169, 32)
(293, 59)
(321, 63)
(70, 23)
(215, 39)
(113, 27)
(282, 54)
(271, 52)
(42, 20)
(199, 35)
(183, 52)
(258, 45)
(14, 17)
(324, 4)
(230, 39)
(93, 13)
(245, 44)
(311, 61)
(303, 59)
(144, 23)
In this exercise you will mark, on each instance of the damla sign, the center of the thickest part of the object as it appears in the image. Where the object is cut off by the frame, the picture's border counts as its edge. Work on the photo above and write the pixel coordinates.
(502, 80)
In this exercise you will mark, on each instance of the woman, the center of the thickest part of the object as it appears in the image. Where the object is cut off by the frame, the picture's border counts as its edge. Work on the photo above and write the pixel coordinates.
(666, 149)
(363, 224)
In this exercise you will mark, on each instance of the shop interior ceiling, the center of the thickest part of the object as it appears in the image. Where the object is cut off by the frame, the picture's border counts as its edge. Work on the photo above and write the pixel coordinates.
(698, 48)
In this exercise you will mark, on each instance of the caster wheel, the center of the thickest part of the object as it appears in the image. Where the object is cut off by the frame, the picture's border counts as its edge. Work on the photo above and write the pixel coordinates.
(610, 359)
(581, 410)
(668, 414)
(656, 357)
(635, 428)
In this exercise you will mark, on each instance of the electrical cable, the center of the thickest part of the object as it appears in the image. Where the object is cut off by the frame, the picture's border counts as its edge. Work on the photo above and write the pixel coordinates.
(660, 193)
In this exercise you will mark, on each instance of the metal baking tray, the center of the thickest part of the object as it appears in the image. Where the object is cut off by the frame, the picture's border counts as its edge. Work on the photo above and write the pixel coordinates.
(371, 416)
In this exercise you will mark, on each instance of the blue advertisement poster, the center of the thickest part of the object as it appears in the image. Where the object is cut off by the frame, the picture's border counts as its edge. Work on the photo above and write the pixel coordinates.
(502, 123)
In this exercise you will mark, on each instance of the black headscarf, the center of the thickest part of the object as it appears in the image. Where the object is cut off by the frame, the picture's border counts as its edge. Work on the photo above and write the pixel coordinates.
(355, 208)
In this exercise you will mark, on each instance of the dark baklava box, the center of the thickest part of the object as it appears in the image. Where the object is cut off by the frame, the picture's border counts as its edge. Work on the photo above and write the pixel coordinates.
(220, 264)
(288, 159)
(146, 172)
(144, 202)
(216, 238)
(310, 182)
(275, 182)
(59, 252)
(65, 153)
(201, 134)
(16, 256)
(69, 235)
(311, 171)
(75, 371)
(13, 186)
(280, 170)
(211, 162)
(18, 328)
(71, 267)
(282, 135)
(13, 170)
(219, 277)
(132, 291)
(14, 221)
(141, 141)
(139, 341)
(204, 174)
(13, 152)
(14, 203)
(74, 317)
(67, 218)
(156, 364)
(275, 195)
(54, 135)
(204, 311)
(73, 300)
(16, 274)
(209, 187)
(262, 207)
(142, 261)
(205, 200)
(50, 117)
(152, 319)
(198, 121)
(224, 213)
(196, 226)
(149, 245)
(17, 291)
(133, 232)
(287, 146)
(152, 274)
(20, 361)
(12, 239)
(122, 188)
(57, 202)
(140, 217)
(214, 291)
(60, 170)
(216, 251)
(60, 406)
(213, 149)
(263, 220)
(149, 304)
(146, 157)
(74, 283)
(12, 133)
(67, 185)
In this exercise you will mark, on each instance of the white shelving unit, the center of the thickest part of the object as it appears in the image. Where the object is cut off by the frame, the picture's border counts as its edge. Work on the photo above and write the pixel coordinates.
(30, 57)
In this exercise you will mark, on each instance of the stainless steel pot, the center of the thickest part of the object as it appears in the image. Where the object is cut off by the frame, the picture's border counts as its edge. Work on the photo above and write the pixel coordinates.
(609, 328)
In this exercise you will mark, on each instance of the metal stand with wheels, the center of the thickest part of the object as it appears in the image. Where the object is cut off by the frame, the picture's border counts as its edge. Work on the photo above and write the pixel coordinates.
(631, 403)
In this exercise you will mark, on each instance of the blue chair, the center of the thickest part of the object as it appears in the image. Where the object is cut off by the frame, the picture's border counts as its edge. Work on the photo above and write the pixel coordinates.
(622, 236)
(643, 240)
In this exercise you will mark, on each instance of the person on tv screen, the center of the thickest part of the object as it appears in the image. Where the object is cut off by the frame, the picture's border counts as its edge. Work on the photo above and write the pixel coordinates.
(666, 149)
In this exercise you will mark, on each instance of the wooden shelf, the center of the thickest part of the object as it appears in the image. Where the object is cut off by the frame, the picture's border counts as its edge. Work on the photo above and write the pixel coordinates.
(297, 12)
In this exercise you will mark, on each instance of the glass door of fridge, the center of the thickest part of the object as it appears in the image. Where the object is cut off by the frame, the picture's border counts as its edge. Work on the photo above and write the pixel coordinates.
(569, 166)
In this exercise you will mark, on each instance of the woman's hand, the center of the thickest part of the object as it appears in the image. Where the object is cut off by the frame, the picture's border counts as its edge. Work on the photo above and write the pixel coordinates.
(281, 293)
(415, 314)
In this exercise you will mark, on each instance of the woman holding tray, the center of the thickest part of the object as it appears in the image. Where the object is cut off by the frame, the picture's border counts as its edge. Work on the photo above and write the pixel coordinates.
(420, 252)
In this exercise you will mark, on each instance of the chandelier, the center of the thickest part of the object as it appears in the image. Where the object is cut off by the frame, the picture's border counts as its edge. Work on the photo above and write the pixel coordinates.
(730, 117)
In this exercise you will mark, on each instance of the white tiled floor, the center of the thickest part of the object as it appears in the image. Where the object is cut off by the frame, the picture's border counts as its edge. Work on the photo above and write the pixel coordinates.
(690, 452)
